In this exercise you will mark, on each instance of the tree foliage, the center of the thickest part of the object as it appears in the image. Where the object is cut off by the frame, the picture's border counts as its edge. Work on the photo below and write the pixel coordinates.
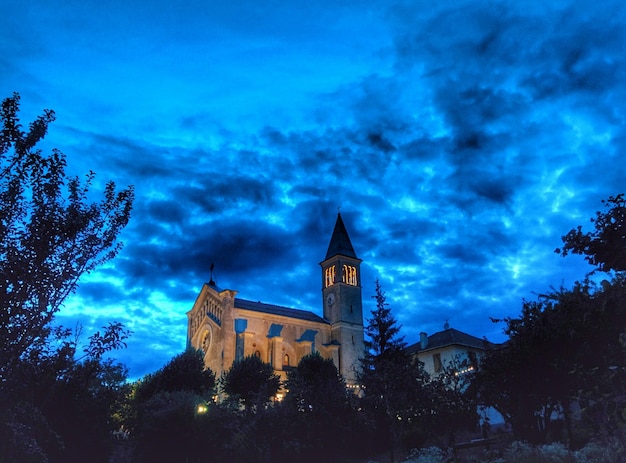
(319, 409)
(55, 403)
(382, 331)
(315, 386)
(605, 247)
(392, 383)
(569, 347)
(567, 350)
(69, 399)
(449, 402)
(50, 234)
(185, 372)
(163, 412)
(250, 381)
(406, 406)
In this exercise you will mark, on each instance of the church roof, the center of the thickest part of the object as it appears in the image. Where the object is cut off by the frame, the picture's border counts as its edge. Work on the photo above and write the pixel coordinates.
(278, 310)
(449, 337)
(340, 241)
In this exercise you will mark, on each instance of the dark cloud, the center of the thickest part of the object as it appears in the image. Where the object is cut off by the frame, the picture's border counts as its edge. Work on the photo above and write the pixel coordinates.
(460, 140)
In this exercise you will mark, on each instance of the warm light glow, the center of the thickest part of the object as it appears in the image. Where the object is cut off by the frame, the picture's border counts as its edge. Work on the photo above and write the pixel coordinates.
(279, 397)
(329, 276)
(349, 275)
(202, 409)
(464, 370)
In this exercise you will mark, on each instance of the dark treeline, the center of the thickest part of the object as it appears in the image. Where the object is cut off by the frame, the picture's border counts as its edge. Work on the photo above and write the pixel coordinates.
(561, 376)
(182, 413)
(318, 418)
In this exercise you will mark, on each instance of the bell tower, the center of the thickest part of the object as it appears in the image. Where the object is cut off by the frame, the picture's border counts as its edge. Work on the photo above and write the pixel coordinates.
(342, 300)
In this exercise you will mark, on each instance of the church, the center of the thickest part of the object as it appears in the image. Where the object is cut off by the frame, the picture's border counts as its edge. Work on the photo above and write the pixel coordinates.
(227, 328)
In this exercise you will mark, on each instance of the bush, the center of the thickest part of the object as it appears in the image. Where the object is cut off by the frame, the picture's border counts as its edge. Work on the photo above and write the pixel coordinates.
(429, 455)
(610, 452)
(521, 452)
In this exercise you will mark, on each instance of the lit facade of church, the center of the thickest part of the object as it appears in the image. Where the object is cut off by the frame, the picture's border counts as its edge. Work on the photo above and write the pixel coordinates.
(227, 328)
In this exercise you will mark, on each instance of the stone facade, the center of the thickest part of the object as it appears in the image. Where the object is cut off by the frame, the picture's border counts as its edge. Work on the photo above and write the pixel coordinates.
(228, 328)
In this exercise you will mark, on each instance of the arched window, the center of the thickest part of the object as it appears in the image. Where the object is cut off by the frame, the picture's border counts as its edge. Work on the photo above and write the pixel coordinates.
(329, 276)
(285, 360)
(349, 275)
(257, 353)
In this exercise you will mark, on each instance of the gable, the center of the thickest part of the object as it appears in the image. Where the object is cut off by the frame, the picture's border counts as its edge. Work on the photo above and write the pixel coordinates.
(449, 337)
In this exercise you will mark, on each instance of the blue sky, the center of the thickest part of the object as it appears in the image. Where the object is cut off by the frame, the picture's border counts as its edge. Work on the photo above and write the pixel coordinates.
(461, 139)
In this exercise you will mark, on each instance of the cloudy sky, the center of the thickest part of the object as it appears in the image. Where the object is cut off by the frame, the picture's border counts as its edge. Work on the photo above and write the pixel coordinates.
(461, 140)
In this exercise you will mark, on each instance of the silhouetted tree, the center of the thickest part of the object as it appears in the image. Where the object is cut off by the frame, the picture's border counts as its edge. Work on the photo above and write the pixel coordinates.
(70, 400)
(449, 403)
(392, 383)
(167, 417)
(173, 428)
(569, 347)
(324, 424)
(382, 331)
(251, 382)
(185, 372)
(49, 234)
(316, 386)
(605, 247)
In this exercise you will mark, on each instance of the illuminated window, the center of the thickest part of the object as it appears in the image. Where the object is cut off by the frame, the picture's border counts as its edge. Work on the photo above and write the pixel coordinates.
(329, 276)
(285, 360)
(257, 353)
(349, 275)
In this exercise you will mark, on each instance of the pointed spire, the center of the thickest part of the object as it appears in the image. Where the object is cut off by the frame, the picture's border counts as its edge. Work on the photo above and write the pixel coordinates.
(340, 241)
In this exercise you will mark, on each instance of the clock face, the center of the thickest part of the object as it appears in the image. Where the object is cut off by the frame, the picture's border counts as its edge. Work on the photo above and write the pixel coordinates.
(330, 299)
(206, 342)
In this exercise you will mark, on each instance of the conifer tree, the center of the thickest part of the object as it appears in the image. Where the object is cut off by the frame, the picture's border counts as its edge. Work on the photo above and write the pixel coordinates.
(383, 330)
(392, 382)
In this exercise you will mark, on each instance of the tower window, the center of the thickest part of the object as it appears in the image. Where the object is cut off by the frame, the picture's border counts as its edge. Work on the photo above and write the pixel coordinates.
(329, 276)
(349, 275)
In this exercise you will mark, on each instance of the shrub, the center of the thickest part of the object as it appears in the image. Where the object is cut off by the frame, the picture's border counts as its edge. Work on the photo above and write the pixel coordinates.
(521, 452)
(610, 452)
(429, 455)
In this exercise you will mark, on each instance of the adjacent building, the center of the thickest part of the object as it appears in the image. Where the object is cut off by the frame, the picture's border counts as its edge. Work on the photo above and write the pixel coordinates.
(449, 347)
